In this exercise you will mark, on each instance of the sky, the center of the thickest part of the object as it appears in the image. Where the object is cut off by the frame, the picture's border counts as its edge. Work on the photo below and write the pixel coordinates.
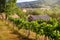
(24, 0)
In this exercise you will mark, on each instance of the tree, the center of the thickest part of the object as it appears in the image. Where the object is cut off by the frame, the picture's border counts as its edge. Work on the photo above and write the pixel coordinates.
(7, 6)
(2, 5)
(10, 7)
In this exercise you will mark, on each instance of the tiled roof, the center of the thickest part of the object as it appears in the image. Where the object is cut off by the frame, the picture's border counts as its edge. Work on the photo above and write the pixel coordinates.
(36, 17)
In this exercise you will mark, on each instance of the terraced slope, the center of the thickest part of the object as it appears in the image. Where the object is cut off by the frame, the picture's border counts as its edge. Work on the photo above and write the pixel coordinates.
(8, 31)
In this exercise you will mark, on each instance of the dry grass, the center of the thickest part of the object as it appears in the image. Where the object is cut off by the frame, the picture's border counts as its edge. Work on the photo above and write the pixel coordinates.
(32, 35)
(6, 31)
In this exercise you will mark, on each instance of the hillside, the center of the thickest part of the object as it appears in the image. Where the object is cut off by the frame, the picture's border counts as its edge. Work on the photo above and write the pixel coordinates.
(29, 4)
(36, 4)
(58, 2)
